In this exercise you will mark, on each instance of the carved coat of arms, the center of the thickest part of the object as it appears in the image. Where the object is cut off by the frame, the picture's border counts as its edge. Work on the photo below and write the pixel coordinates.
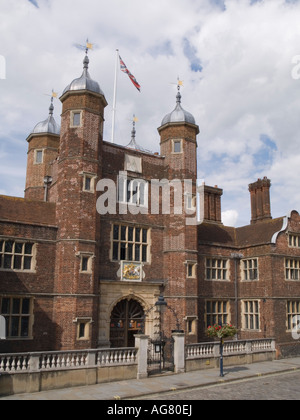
(131, 271)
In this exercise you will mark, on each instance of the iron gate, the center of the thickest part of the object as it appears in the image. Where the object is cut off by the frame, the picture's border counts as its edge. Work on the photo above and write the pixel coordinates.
(161, 356)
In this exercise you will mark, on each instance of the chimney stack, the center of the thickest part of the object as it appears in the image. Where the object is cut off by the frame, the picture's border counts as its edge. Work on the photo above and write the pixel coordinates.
(210, 199)
(260, 200)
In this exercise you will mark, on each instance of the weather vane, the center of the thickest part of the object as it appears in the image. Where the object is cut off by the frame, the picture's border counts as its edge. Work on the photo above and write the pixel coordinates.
(179, 83)
(133, 120)
(53, 95)
(88, 46)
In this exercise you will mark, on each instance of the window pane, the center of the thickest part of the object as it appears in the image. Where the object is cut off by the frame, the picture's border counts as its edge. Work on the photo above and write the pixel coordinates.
(24, 326)
(88, 183)
(129, 192)
(9, 246)
(257, 322)
(7, 261)
(116, 232)
(39, 156)
(27, 263)
(177, 146)
(123, 252)
(145, 234)
(85, 262)
(123, 233)
(251, 322)
(214, 307)
(16, 306)
(81, 330)
(14, 326)
(130, 252)
(144, 256)
(208, 306)
(76, 119)
(130, 234)
(115, 251)
(134, 188)
(137, 253)
(17, 262)
(137, 235)
(28, 249)
(25, 306)
(5, 306)
(18, 248)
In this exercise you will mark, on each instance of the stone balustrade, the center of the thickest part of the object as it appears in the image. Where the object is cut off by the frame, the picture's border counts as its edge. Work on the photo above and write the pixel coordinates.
(42, 371)
(242, 347)
(30, 362)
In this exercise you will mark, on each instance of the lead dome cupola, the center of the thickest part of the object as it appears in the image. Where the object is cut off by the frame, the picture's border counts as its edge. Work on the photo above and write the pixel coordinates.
(49, 126)
(179, 114)
(84, 82)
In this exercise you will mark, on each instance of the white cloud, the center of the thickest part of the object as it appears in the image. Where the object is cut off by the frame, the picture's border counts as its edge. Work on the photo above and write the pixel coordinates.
(230, 218)
(245, 89)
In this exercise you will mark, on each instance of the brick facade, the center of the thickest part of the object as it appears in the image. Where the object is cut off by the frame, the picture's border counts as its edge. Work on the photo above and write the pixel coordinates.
(61, 290)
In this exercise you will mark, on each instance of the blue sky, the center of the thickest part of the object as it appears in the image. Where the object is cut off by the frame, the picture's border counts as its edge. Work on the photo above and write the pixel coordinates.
(235, 58)
(34, 2)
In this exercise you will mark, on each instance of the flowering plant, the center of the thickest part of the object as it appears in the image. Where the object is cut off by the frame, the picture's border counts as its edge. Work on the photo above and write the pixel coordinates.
(221, 331)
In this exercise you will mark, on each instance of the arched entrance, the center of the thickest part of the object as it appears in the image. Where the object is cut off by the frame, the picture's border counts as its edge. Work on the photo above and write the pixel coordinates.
(126, 321)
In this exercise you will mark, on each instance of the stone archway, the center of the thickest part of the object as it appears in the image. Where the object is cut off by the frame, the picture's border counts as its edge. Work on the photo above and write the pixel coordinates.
(126, 321)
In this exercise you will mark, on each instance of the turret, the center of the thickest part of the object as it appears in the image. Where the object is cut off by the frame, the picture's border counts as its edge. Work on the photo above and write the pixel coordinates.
(43, 146)
(79, 168)
(178, 134)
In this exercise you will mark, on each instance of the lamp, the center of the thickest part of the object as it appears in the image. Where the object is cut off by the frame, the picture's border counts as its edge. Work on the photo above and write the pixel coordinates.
(161, 304)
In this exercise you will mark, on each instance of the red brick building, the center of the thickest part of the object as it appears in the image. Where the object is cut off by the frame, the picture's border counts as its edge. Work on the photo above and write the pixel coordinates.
(104, 230)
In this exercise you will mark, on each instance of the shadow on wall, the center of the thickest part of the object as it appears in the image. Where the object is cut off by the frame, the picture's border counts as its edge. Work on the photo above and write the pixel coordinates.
(29, 326)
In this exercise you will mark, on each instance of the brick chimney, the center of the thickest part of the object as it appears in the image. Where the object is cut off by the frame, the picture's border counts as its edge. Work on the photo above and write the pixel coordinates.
(260, 200)
(210, 198)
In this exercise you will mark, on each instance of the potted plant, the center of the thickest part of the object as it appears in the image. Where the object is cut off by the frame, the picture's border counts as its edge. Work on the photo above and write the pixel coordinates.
(221, 332)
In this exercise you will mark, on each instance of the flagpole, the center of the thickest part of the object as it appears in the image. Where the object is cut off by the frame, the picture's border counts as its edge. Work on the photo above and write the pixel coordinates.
(115, 98)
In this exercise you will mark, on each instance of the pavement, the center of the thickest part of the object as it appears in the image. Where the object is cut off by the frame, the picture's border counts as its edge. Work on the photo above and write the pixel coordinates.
(166, 383)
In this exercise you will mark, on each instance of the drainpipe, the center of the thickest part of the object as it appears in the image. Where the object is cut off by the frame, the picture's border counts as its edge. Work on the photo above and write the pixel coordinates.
(237, 257)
